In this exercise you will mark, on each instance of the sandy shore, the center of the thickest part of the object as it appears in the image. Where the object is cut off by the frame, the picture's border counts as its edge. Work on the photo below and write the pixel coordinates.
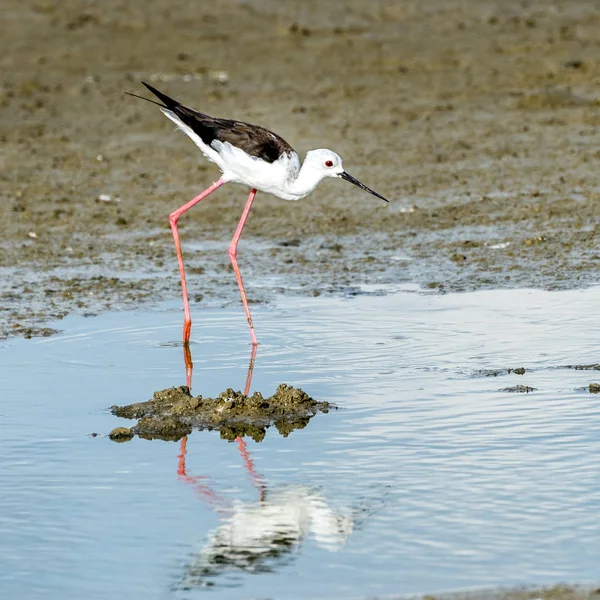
(479, 120)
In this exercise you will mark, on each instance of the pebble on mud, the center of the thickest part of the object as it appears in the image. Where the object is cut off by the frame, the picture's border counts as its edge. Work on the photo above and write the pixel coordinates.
(121, 434)
(521, 389)
(594, 388)
(173, 413)
(538, 239)
(517, 371)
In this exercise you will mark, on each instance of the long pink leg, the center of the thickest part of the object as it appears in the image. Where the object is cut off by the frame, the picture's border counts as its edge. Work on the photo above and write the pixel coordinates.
(189, 365)
(232, 251)
(173, 218)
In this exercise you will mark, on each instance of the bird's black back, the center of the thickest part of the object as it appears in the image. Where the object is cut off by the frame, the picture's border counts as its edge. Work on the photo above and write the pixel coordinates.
(252, 139)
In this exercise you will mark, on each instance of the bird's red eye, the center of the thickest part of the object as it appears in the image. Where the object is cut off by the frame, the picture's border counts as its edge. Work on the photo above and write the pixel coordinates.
(329, 163)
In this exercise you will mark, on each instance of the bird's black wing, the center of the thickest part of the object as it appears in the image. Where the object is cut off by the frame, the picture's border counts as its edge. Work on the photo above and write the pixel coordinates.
(252, 139)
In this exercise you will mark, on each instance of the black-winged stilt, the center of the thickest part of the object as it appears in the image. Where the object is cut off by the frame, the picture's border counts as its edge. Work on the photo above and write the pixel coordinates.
(253, 156)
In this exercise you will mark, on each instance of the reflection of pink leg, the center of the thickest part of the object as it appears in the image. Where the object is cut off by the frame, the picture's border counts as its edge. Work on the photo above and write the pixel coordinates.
(173, 218)
(202, 489)
(189, 366)
(257, 480)
(233, 256)
(250, 371)
(182, 452)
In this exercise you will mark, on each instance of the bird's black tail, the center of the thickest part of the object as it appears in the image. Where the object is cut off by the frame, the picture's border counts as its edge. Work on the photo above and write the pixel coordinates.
(166, 101)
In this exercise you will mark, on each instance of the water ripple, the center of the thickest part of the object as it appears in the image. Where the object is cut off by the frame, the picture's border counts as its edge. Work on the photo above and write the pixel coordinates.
(430, 476)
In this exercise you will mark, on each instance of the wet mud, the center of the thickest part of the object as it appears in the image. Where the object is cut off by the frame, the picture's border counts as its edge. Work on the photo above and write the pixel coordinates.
(499, 372)
(520, 389)
(592, 388)
(174, 413)
(555, 592)
(478, 119)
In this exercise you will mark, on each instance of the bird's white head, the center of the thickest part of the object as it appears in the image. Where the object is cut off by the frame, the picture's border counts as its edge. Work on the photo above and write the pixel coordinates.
(326, 163)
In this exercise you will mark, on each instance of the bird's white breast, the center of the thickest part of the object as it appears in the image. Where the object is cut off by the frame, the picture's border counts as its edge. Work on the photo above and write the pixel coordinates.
(271, 178)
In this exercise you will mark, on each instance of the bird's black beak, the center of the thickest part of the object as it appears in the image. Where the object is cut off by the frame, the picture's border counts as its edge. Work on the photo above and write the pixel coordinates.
(362, 186)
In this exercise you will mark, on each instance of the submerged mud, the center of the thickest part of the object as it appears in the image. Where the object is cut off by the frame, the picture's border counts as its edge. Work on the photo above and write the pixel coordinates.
(592, 388)
(174, 413)
(478, 119)
(520, 389)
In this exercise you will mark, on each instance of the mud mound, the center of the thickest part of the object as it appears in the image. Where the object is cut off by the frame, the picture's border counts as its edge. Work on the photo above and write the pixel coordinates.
(174, 413)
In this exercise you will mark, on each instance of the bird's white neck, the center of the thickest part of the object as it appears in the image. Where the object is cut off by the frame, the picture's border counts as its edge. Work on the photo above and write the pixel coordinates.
(304, 182)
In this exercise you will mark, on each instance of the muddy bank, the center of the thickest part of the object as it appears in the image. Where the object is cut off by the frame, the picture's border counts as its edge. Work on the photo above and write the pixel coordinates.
(555, 592)
(174, 413)
(479, 120)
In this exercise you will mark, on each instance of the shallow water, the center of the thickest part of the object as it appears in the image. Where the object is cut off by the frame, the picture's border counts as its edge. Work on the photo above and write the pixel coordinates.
(428, 478)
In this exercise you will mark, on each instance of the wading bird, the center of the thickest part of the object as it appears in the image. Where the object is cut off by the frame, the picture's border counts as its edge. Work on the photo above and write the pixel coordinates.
(255, 157)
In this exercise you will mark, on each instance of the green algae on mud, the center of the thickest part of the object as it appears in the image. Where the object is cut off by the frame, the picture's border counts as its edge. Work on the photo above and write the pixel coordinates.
(174, 413)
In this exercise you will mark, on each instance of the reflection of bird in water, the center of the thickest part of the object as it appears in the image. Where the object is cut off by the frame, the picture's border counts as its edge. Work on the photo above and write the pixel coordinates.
(189, 367)
(262, 536)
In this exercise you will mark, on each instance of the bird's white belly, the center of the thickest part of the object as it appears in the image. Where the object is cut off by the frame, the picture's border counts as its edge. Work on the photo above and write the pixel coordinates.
(268, 188)
(270, 178)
